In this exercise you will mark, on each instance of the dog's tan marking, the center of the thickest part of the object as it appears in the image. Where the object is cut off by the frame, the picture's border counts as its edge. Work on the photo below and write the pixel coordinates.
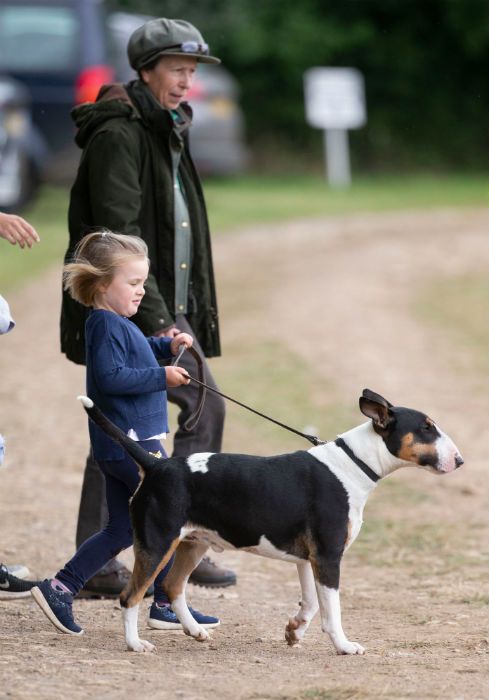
(187, 557)
(143, 575)
(291, 636)
(301, 546)
(406, 452)
(412, 451)
(314, 566)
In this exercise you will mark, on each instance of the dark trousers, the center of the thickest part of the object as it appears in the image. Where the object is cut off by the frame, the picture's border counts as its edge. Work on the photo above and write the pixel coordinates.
(121, 481)
(206, 437)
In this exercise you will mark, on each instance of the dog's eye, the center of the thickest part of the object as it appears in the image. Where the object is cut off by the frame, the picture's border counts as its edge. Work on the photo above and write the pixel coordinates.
(428, 427)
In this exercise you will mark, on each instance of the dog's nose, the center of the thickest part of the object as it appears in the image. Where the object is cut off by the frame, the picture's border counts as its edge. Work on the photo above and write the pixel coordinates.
(458, 461)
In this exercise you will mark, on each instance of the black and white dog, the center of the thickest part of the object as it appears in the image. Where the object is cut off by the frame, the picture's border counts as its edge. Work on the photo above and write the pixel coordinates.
(305, 507)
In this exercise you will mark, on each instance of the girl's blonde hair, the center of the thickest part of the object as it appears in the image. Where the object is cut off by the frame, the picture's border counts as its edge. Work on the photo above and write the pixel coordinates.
(95, 262)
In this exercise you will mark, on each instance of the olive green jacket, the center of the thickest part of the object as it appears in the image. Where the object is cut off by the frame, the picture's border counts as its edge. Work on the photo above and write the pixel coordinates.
(125, 183)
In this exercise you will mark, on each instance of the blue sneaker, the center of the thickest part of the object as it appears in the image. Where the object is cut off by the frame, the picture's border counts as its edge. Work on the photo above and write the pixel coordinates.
(162, 617)
(56, 605)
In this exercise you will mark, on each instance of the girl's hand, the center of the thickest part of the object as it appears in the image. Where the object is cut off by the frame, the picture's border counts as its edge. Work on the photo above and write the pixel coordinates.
(181, 339)
(176, 376)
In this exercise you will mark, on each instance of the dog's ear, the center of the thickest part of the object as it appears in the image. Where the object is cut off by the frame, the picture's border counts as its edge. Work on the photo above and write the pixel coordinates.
(377, 408)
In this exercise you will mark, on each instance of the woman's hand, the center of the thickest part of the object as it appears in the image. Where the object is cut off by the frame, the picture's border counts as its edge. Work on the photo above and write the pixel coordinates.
(181, 339)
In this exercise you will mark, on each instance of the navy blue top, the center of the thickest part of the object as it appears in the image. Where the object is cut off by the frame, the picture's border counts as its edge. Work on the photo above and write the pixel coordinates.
(124, 379)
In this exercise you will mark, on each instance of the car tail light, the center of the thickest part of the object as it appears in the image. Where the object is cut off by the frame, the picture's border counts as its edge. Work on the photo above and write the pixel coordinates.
(196, 92)
(89, 82)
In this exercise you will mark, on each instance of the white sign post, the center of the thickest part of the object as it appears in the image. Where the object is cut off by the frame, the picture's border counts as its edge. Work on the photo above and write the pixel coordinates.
(335, 102)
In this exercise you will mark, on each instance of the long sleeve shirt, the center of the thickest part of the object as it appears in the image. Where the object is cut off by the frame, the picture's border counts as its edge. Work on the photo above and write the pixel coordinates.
(125, 380)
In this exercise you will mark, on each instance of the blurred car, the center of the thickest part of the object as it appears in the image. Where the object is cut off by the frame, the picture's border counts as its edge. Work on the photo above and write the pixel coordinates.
(64, 50)
(21, 151)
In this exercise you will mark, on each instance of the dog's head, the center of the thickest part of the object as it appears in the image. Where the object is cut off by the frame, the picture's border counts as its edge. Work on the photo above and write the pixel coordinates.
(411, 435)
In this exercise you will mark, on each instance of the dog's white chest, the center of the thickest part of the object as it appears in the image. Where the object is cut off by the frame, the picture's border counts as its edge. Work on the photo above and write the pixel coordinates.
(355, 520)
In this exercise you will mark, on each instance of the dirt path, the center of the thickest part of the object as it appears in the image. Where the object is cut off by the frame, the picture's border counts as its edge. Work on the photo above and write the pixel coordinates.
(415, 583)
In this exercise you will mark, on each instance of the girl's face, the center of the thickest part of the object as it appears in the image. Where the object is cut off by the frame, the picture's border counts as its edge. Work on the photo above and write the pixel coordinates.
(124, 292)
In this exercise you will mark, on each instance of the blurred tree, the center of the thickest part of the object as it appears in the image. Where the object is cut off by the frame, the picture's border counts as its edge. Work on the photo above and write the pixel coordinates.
(425, 64)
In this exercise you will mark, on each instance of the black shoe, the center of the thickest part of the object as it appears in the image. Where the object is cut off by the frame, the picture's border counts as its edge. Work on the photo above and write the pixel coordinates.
(12, 587)
(109, 582)
(210, 575)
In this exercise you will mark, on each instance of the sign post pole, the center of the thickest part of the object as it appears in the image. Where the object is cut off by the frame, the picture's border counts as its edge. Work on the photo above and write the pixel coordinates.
(335, 102)
(337, 157)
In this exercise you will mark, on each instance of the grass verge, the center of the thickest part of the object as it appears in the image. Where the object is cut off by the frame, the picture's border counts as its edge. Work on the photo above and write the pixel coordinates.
(458, 307)
(247, 200)
(237, 202)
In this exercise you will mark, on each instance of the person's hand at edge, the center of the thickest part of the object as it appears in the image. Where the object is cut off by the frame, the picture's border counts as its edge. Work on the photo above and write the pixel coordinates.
(17, 230)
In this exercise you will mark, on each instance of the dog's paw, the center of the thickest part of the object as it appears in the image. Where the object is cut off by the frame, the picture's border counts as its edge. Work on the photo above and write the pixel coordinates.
(141, 646)
(350, 648)
(292, 636)
(199, 634)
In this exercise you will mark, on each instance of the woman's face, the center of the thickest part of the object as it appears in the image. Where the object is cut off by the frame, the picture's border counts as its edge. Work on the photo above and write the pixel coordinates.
(171, 79)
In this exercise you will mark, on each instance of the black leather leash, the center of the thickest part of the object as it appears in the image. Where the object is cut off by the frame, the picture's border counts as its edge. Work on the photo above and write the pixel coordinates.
(203, 387)
(192, 421)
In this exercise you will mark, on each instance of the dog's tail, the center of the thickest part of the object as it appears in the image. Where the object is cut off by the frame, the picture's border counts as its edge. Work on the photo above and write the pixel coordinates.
(143, 459)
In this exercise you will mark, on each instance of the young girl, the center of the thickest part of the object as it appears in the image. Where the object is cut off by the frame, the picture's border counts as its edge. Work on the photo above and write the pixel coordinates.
(125, 380)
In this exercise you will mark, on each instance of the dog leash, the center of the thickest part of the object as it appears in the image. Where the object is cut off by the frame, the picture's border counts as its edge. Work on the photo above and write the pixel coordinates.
(203, 387)
(192, 420)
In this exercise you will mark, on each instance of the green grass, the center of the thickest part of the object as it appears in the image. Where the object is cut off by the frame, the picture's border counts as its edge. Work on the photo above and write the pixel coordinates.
(49, 216)
(432, 548)
(236, 202)
(457, 306)
(480, 599)
(247, 200)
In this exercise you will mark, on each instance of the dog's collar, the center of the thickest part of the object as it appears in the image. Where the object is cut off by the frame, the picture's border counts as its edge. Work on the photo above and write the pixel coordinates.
(364, 467)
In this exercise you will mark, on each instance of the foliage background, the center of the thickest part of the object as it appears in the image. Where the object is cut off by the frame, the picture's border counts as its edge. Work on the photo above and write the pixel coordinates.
(425, 64)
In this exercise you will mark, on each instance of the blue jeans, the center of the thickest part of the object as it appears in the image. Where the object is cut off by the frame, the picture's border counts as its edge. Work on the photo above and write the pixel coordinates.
(121, 481)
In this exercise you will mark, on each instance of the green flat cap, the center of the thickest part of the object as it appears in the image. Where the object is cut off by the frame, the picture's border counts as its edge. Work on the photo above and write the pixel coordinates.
(167, 37)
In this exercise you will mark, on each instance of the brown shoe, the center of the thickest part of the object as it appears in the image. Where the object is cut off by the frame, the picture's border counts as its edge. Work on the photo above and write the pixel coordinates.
(210, 575)
(109, 582)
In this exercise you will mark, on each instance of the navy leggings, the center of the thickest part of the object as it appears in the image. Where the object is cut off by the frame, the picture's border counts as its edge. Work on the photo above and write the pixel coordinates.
(121, 481)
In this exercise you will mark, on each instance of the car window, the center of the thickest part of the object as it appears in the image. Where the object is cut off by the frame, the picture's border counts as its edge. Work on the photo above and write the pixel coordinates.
(37, 38)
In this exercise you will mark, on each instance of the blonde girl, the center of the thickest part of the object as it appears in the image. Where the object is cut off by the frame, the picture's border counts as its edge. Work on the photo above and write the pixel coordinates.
(125, 380)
